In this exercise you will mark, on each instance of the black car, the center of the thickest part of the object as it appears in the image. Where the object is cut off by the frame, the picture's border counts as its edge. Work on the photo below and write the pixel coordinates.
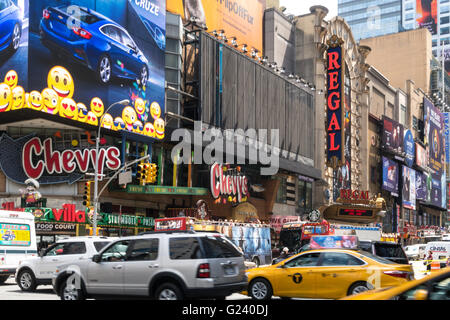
(388, 250)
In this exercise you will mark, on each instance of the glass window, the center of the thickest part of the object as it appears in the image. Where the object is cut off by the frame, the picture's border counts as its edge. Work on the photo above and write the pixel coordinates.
(184, 248)
(445, 20)
(340, 259)
(126, 40)
(305, 260)
(112, 32)
(99, 245)
(116, 252)
(144, 249)
(55, 250)
(74, 248)
(219, 247)
(445, 30)
(376, 258)
(281, 194)
(4, 4)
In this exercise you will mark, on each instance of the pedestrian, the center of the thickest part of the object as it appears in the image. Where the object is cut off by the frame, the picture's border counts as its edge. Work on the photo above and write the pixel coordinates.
(430, 255)
(285, 253)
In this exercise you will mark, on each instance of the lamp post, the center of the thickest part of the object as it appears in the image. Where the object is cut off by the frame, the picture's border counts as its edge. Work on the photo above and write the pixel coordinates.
(97, 143)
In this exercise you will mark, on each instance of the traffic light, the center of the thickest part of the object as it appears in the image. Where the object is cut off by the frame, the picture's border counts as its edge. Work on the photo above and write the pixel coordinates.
(153, 173)
(87, 194)
(141, 175)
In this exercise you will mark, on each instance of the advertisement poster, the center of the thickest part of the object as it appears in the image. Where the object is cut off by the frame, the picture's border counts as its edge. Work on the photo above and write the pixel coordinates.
(447, 142)
(334, 242)
(409, 188)
(421, 156)
(74, 59)
(426, 12)
(392, 138)
(409, 147)
(390, 176)
(276, 221)
(436, 190)
(421, 186)
(15, 234)
(242, 19)
(252, 240)
(434, 136)
(14, 42)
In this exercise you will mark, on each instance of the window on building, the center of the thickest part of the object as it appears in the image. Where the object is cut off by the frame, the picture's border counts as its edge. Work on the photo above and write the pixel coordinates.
(409, 16)
(281, 194)
(445, 9)
(403, 114)
(445, 31)
(445, 20)
(304, 192)
(415, 123)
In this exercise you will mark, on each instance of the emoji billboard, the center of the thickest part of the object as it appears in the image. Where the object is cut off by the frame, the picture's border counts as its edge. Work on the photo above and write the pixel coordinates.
(85, 56)
(242, 19)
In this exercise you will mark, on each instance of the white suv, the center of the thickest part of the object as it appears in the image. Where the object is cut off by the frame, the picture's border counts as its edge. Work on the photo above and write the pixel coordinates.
(39, 270)
(159, 265)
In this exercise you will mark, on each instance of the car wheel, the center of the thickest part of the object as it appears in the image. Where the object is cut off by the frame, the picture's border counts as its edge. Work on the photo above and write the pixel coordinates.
(70, 292)
(358, 288)
(15, 38)
(104, 69)
(144, 76)
(169, 291)
(26, 280)
(3, 279)
(260, 289)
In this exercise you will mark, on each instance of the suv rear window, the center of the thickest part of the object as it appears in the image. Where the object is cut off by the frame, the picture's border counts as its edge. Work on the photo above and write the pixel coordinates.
(219, 247)
(74, 248)
(99, 245)
(386, 250)
(376, 258)
(184, 248)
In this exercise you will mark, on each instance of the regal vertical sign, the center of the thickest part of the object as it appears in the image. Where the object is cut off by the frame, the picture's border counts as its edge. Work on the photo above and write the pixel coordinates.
(335, 103)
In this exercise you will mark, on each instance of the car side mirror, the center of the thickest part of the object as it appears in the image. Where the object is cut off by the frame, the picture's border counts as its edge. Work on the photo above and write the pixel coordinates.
(42, 253)
(421, 294)
(96, 258)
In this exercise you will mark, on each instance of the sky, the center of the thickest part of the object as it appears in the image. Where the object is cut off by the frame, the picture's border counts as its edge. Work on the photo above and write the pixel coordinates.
(299, 7)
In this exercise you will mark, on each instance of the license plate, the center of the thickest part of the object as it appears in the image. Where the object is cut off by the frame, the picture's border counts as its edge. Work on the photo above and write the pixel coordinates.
(228, 270)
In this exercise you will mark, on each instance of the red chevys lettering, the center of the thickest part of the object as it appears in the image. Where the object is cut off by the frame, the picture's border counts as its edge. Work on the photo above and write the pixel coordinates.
(38, 157)
(228, 185)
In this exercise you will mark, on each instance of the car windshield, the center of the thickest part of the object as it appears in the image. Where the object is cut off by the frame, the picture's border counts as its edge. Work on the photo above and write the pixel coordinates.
(376, 258)
(80, 13)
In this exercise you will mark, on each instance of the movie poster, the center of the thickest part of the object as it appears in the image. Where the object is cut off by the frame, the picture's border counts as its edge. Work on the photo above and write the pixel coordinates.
(421, 186)
(390, 176)
(427, 14)
(392, 136)
(409, 188)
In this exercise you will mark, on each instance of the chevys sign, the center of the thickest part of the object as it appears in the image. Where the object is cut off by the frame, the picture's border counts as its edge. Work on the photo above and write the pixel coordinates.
(227, 185)
(41, 161)
(335, 103)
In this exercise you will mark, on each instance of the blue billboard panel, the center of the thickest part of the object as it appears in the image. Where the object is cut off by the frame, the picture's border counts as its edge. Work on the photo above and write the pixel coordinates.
(390, 176)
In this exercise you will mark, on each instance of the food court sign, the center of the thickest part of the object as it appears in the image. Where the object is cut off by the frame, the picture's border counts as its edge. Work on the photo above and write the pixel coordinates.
(335, 102)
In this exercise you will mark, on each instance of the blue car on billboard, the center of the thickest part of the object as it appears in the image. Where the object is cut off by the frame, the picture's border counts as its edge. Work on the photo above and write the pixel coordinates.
(10, 26)
(94, 41)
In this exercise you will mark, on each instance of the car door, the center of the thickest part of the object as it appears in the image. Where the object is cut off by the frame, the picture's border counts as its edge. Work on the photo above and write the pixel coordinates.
(131, 58)
(120, 53)
(47, 264)
(338, 271)
(142, 262)
(297, 277)
(106, 277)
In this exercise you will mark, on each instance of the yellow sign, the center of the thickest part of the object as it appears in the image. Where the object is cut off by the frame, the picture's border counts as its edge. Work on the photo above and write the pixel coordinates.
(245, 212)
(242, 19)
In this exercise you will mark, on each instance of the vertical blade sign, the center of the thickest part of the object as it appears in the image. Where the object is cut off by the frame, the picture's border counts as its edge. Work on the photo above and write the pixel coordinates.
(335, 103)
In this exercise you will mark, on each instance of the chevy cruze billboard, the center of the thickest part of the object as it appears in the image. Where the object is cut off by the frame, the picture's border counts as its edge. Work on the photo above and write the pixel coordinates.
(85, 55)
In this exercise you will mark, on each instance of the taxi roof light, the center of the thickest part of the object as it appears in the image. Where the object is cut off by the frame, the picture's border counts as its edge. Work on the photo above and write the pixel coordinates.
(334, 242)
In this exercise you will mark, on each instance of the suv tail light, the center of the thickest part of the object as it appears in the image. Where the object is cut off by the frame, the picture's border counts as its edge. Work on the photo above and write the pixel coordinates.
(398, 274)
(46, 14)
(203, 271)
(82, 33)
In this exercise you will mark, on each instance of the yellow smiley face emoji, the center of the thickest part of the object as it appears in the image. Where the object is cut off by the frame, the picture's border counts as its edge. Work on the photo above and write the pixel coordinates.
(159, 128)
(138, 127)
(92, 119)
(149, 130)
(155, 110)
(5, 97)
(139, 105)
(11, 79)
(35, 100)
(118, 124)
(68, 109)
(18, 94)
(50, 101)
(60, 80)
(82, 112)
(129, 117)
(107, 121)
(97, 107)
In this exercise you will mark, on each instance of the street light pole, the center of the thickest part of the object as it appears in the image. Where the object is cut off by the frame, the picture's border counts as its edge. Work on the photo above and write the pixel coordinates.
(97, 144)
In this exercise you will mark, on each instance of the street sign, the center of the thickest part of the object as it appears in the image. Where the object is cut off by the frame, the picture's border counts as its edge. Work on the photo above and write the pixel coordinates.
(125, 177)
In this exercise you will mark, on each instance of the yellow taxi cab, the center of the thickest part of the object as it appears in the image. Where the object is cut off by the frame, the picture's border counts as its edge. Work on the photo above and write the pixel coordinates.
(433, 287)
(326, 274)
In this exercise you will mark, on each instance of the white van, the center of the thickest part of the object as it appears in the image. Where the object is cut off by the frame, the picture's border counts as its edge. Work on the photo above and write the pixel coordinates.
(439, 249)
(446, 237)
(17, 241)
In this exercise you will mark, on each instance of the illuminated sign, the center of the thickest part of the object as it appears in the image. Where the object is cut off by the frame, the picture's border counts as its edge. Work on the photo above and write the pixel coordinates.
(228, 185)
(355, 213)
(354, 196)
(335, 103)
